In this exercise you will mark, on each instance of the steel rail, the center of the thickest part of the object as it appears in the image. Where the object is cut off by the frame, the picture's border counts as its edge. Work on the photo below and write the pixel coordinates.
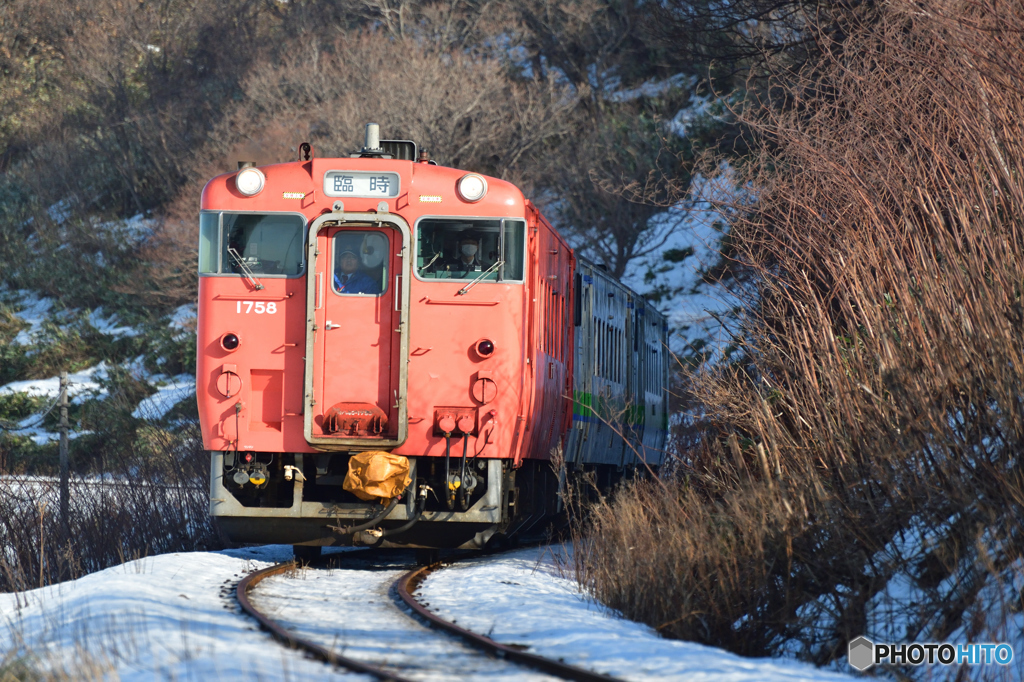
(408, 583)
(290, 640)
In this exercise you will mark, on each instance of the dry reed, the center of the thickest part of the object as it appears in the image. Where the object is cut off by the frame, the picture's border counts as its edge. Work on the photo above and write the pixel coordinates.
(139, 506)
(873, 428)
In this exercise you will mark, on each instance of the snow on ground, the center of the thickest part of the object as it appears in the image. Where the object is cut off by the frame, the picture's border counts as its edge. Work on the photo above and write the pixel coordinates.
(700, 105)
(653, 88)
(320, 605)
(34, 311)
(173, 617)
(61, 211)
(164, 617)
(107, 324)
(183, 316)
(169, 393)
(520, 598)
(131, 230)
(183, 321)
(85, 385)
(896, 609)
(29, 427)
(682, 243)
(82, 385)
(688, 240)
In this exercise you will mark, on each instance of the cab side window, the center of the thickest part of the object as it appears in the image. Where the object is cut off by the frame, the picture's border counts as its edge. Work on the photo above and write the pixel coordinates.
(470, 248)
(262, 244)
(267, 244)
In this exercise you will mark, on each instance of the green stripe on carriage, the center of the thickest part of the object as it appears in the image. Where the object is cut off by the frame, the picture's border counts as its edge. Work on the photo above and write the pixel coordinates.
(583, 406)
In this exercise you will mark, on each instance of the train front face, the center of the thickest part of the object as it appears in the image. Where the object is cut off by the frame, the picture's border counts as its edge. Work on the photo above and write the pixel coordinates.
(361, 305)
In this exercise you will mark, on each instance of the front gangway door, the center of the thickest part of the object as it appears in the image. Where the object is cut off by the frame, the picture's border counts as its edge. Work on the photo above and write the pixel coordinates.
(357, 330)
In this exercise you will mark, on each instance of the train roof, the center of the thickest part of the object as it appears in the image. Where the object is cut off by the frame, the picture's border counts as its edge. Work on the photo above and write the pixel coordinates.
(598, 271)
(422, 188)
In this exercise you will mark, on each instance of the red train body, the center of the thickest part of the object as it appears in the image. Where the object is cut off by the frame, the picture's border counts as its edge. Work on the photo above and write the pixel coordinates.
(340, 311)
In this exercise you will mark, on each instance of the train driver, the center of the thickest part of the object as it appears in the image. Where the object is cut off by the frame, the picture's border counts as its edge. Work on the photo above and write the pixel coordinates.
(467, 260)
(349, 279)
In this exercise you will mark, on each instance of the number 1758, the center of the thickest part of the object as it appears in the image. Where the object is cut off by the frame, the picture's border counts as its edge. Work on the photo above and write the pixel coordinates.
(258, 307)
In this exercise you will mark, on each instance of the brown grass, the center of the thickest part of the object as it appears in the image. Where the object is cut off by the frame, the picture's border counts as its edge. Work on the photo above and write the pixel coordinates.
(874, 425)
(152, 500)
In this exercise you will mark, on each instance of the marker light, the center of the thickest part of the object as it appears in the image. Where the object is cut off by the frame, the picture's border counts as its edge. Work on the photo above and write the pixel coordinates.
(485, 348)
(472, 187)
(250, 181)
(229, 342)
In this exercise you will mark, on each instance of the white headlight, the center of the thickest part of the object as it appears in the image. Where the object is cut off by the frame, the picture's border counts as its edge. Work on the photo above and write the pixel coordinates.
(472, 188)
(250, 181)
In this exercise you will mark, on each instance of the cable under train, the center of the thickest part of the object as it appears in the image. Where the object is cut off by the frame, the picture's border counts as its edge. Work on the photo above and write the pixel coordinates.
(391, 352)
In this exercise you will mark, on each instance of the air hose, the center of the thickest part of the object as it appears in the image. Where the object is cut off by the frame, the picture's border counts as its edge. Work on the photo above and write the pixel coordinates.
(421, 504)
(352, 530)
(373, 538)
(449, 496)
(463, 502)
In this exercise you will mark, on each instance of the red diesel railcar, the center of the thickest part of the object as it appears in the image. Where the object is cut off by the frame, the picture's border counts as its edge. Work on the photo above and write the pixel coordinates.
(422, 316)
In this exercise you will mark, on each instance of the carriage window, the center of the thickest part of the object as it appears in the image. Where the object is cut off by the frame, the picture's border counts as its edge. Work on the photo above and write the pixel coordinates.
(361, 260)
(262, 244)
(469, 248)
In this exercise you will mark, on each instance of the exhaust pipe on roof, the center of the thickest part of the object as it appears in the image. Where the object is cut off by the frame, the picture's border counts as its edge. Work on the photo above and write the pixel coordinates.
(372, 138)
(376, 148)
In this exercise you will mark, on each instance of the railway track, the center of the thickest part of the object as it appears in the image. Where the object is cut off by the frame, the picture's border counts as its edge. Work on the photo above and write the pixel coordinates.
(291, 640)
(410, 651)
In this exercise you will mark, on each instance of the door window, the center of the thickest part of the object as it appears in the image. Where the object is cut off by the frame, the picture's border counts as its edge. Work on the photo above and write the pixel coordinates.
(360, 260)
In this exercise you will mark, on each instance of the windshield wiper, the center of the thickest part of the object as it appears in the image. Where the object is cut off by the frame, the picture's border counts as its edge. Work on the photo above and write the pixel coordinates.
(463, 290)
(432, 261)
(235, 256)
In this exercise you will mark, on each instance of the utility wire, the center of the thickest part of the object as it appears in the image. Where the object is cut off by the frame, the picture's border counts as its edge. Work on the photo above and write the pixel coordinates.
(16, 426)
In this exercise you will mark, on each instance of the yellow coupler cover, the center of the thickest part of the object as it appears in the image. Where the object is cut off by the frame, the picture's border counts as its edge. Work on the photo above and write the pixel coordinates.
(376, 474)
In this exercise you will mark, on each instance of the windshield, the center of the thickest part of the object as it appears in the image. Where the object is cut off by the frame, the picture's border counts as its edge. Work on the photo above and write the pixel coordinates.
(469, 249)
(265, 244)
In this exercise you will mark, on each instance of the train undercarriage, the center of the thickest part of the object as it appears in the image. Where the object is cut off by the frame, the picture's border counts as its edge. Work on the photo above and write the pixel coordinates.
(299, 499)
